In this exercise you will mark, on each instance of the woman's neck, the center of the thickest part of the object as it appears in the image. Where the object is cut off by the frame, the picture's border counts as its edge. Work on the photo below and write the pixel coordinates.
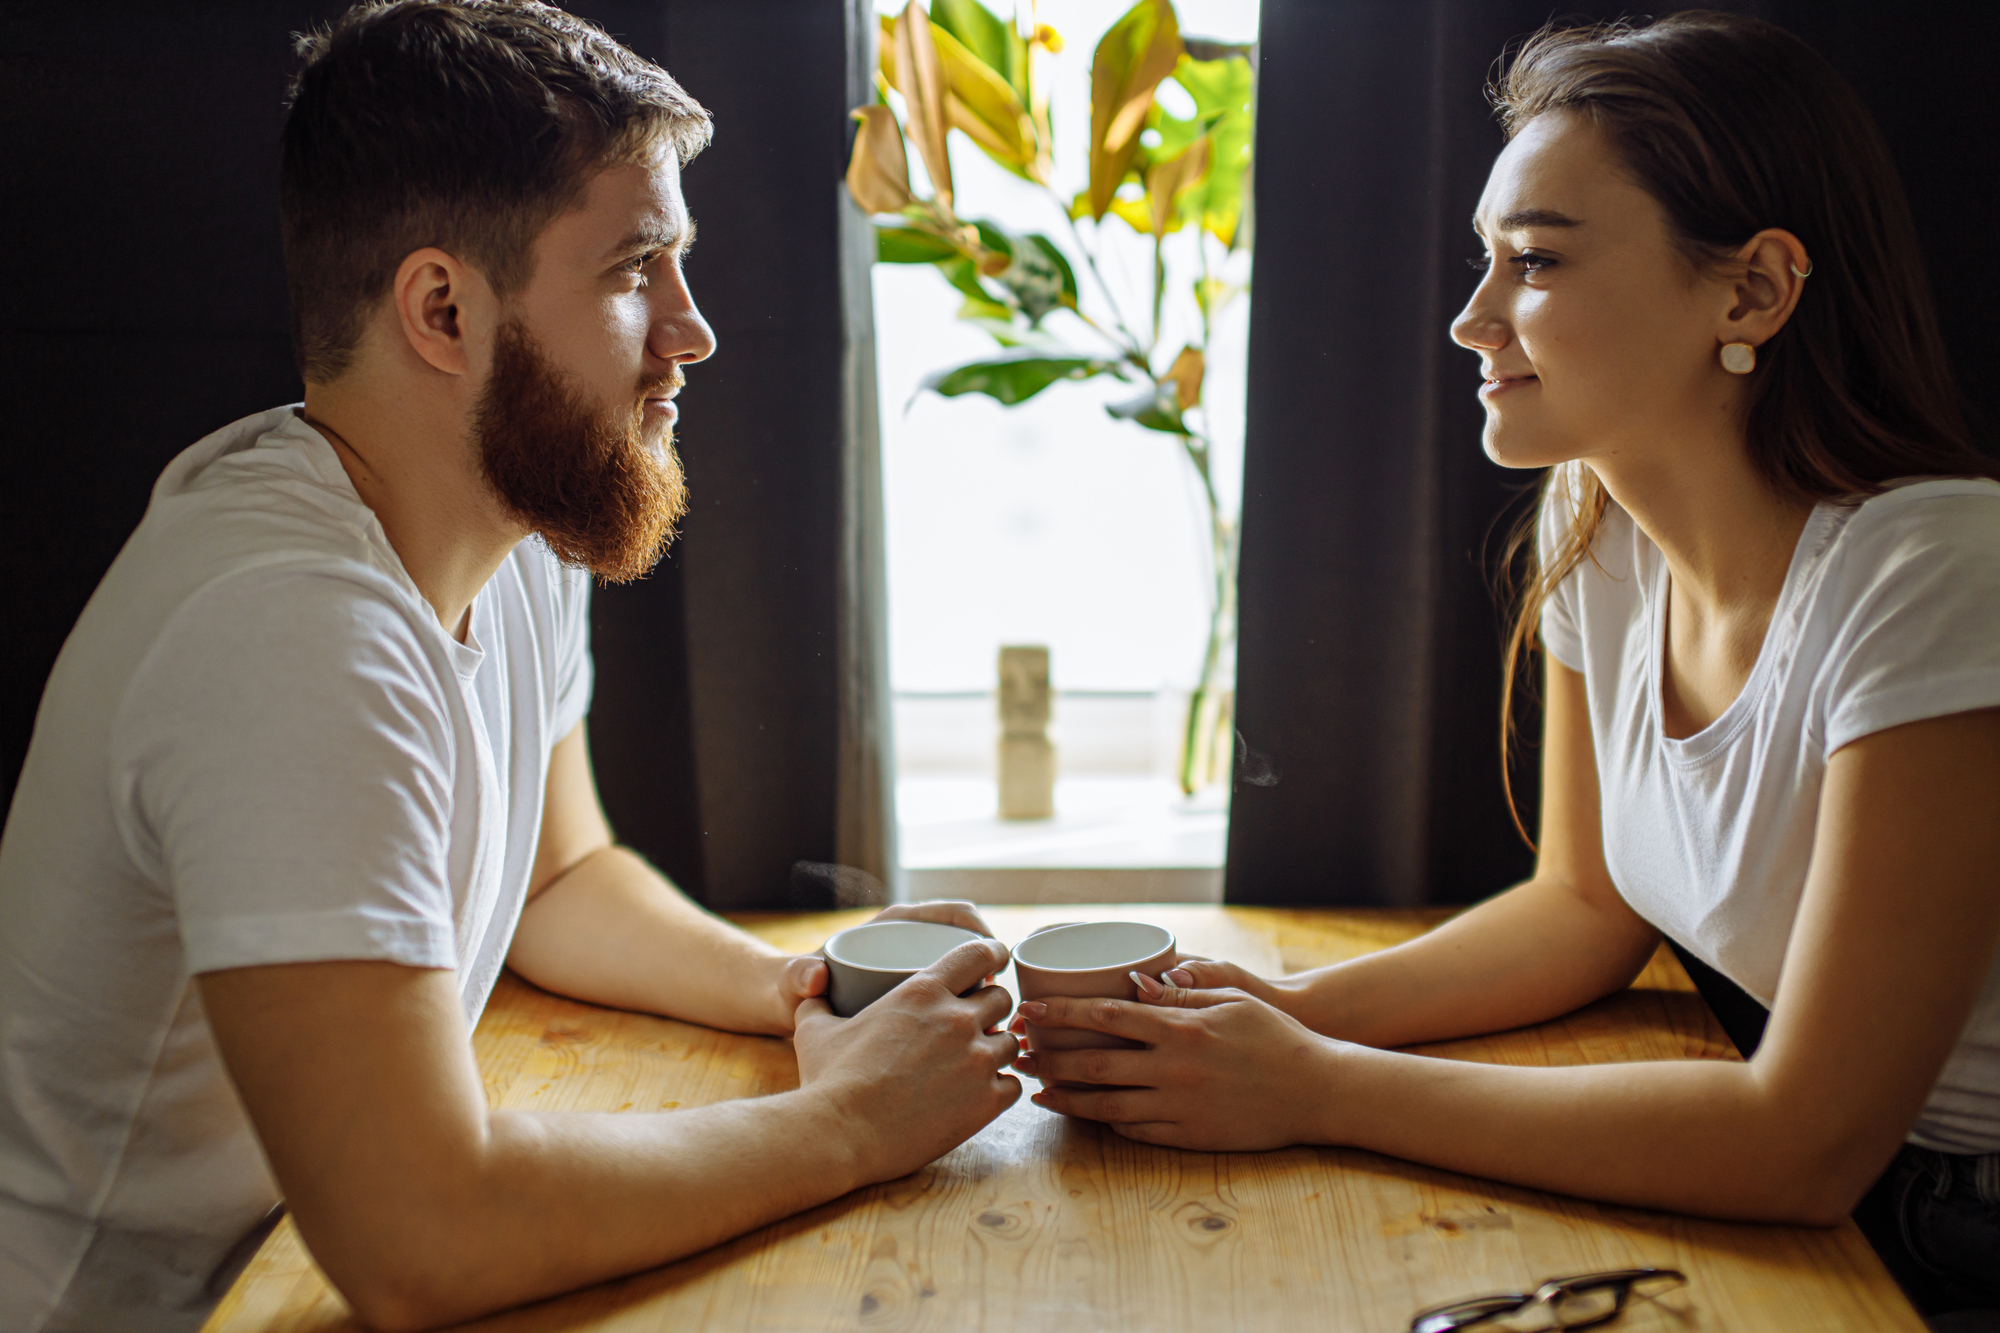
(1726, 534)
(1727, 538)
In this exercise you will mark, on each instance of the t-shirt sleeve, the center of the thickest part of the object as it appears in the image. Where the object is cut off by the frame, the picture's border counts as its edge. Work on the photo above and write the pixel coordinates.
(575, 671)
(282, 760)
(1919, 589)
(1561, 630)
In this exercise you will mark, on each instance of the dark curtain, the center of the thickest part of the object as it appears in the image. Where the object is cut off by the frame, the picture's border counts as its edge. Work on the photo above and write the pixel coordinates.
(145, 306)
(1368, 678)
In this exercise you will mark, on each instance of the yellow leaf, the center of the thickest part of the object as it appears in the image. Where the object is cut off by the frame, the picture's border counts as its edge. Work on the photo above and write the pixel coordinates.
(1137, 213)
(878, 175)
(1165, 182)
(920, 78)
(1185, 375)
(1140, 49)
(983, 105)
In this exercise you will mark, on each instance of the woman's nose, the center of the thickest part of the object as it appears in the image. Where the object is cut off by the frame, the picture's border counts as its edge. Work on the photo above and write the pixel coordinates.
(1477, 330)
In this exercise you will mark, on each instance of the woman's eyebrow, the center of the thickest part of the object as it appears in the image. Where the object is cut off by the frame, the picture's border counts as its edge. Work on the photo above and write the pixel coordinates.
(1522, 218)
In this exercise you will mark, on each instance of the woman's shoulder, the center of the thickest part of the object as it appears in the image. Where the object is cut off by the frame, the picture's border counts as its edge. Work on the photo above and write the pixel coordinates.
(1923, 527)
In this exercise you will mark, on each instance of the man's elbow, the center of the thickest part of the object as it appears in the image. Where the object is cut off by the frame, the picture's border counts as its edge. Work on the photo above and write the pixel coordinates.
(403, 1266)
(407, 1297)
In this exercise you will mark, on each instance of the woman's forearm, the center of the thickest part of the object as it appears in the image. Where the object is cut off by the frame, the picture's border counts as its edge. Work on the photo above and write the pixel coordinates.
(1537, 951)
(1692, 1136)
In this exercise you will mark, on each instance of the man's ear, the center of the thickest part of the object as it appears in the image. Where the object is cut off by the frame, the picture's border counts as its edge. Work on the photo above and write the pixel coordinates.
(1766, 288)
(441, 305)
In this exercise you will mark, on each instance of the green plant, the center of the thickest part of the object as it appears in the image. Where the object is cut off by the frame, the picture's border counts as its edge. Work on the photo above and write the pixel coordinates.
(960, 67)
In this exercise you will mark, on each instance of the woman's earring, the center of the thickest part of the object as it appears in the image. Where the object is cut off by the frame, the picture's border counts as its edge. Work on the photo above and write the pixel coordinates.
(1739, 358)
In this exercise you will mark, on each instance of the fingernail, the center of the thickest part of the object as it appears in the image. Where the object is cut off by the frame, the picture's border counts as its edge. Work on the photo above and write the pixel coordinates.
(1181, 977)
(1034, 1009)
(1149, 989)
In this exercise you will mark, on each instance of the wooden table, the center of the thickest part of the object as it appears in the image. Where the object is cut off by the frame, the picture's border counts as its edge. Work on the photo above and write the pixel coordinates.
(1041, 1223)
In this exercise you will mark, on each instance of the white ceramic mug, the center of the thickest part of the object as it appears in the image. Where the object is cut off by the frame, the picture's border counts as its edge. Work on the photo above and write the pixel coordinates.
(864, 963)
(1093, 960)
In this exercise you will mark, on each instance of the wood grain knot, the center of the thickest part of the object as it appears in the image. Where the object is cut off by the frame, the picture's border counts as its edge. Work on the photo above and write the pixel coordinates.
(1213, 1224)
(994, 1219)
(1459, 1224)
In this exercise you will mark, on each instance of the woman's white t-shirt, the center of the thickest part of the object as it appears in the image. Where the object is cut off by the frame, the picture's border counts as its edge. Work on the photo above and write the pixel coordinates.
(1890, 614)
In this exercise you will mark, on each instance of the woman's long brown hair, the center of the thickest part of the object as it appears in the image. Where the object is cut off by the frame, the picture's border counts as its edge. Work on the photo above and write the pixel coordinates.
(1734, 125)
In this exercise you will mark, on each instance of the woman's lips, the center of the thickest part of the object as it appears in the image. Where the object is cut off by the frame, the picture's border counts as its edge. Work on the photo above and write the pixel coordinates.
(1493, 388)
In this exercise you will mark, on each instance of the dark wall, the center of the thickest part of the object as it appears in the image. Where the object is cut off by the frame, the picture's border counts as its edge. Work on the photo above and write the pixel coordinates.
(1368, 671)
(145, 306)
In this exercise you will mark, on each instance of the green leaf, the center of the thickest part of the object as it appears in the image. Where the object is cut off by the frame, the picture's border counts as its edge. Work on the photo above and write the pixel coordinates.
(1217, 86)
(995, 42)
(985, 310)
(1039, 279)
(1057, 261)
(1157, 408)
(993, 238)
(961, 274)
(1014, 379)
(1221, 90)
(907, 245)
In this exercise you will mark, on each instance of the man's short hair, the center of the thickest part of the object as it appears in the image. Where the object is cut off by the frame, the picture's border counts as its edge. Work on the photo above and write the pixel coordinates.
(468, 125)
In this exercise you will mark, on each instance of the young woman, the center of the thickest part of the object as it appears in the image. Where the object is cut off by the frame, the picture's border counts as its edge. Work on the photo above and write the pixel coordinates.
(1769, 597)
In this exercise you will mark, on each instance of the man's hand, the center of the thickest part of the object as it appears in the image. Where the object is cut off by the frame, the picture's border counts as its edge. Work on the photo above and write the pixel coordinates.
(920, 1070)
(1223, 1071)
(800, 977)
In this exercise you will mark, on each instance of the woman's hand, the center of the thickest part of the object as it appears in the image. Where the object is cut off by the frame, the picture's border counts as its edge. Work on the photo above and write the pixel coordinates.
(1223, 1070)
(1206, 974)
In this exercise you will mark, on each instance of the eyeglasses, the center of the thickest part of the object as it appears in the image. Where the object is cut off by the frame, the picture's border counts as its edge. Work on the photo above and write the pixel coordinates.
(1565, 1303)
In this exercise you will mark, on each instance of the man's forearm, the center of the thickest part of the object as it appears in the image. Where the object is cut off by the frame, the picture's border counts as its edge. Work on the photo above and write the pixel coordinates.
(552, 1202)
(613, 931)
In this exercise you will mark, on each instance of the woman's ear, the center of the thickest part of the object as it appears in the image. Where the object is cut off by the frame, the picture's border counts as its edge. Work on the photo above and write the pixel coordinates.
(1767, 286)
(435, 298)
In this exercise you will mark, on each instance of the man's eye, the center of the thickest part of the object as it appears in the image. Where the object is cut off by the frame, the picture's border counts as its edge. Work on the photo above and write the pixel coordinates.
(637, 264)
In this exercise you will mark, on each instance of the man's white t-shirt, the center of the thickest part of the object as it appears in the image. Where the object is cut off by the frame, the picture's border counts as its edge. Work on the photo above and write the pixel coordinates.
(1890, 614)
(258, 746)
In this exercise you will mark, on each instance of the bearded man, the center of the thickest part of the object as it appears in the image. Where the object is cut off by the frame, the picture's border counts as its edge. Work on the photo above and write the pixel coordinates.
(312, 766)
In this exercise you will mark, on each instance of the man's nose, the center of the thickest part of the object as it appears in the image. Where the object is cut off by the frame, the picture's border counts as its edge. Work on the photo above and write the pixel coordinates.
(683, 336)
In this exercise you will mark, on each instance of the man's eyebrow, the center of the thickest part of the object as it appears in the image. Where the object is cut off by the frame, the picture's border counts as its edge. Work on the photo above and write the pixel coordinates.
(656, 236)
(1522, 218)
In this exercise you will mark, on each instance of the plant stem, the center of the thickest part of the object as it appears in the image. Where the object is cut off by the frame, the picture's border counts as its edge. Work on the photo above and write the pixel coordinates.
(1222, 552)
(1132, 347)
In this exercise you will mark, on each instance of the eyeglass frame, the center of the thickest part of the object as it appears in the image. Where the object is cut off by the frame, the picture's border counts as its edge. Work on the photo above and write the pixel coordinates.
(1505, 1303)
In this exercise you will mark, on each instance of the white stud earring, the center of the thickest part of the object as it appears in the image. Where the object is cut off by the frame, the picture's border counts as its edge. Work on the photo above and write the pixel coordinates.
(1739, 358)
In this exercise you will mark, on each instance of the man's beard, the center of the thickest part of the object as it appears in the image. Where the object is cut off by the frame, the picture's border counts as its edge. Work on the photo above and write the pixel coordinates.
(597, 491)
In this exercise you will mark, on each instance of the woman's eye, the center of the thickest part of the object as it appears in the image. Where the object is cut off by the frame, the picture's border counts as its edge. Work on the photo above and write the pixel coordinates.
(1530, 264)
(1479, 263)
